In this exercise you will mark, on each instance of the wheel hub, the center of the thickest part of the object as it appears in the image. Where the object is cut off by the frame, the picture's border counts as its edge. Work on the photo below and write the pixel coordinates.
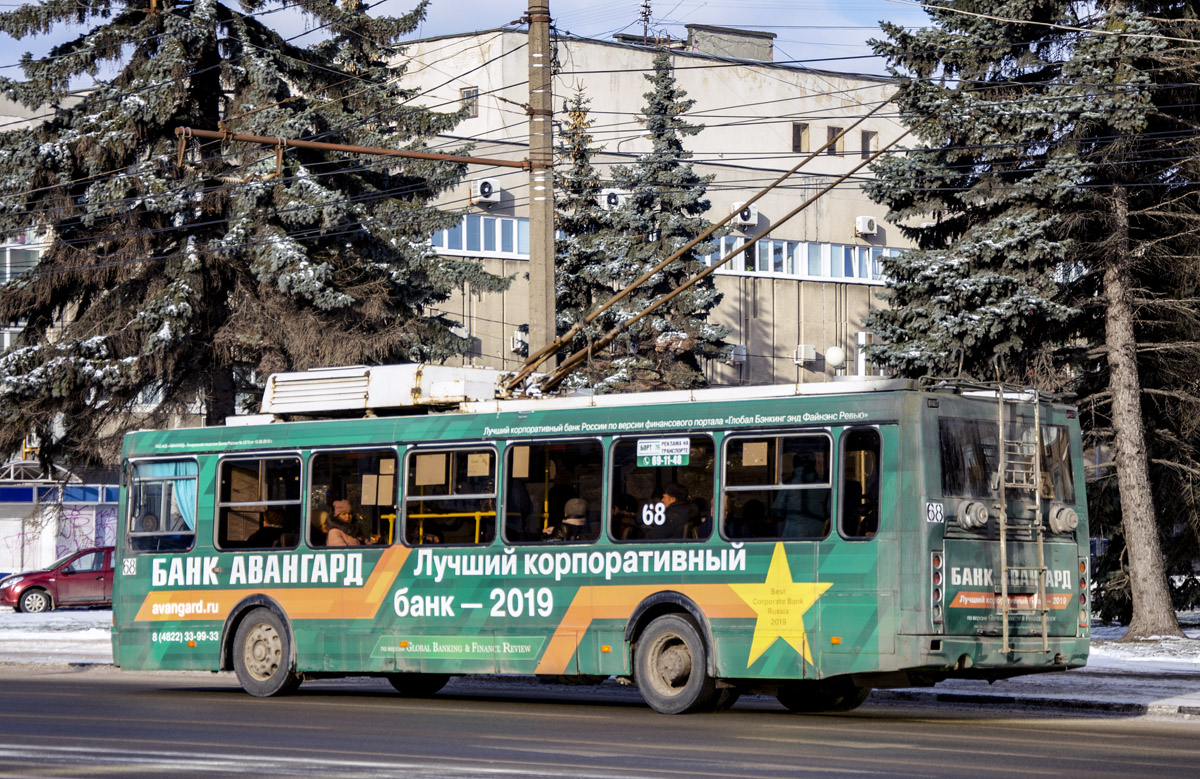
(675, 664)
(263, 652)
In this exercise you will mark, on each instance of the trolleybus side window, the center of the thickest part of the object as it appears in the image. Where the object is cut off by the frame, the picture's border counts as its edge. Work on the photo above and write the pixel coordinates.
(777, 487)
(662, 488)
(553, 491)
(364, 483)
(450, 497)
(860, 484)
(258, 503)
(162, 506)
(970, 458)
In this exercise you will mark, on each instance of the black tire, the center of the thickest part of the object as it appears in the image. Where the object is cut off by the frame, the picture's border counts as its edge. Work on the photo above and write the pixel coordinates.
(725, 698)
(262, 655)
(671, 666)
(35, 601)
(418, 685)
(814, 697)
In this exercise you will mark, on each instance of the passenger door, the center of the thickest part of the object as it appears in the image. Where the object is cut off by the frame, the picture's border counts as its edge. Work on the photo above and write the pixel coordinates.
(108, 576)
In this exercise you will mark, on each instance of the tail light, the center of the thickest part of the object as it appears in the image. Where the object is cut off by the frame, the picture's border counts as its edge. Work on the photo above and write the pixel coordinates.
(936, 578)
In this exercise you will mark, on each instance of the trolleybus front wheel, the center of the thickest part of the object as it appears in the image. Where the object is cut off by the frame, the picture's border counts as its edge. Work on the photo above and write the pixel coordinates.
(671, 666)
(415, 685)
(830, 695)
(262, 655)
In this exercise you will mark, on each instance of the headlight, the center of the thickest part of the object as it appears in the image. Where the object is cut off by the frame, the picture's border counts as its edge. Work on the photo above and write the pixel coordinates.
(11, 581)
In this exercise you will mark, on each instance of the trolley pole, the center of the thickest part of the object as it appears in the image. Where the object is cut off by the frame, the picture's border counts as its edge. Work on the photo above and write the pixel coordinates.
(541, 185)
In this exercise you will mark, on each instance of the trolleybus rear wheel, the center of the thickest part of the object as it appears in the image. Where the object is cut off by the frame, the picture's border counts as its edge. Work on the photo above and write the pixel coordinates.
(36, 601)
(416, 685)
(671, 666)
(262, 655)
(835, 695)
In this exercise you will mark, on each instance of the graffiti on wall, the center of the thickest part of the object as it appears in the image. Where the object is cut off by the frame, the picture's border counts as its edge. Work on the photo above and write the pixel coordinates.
(25, 541)
(106, 525)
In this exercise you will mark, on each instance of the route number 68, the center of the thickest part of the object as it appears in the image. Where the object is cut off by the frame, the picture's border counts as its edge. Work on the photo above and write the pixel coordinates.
(654, 514)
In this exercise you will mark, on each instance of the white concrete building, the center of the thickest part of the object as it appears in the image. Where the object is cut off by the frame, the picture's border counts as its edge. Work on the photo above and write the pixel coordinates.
(808, 283)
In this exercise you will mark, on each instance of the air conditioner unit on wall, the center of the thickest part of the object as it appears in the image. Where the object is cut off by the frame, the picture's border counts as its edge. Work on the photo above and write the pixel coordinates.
(745, 215)
(804, 354)
(519, 342)
(486, 191)
(612, 198)
(866, 225)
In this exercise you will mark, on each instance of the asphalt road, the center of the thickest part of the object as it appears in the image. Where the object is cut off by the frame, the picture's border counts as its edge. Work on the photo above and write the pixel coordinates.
(96, 720)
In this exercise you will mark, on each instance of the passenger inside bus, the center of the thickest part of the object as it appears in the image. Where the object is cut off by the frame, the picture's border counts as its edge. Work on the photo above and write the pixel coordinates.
(803, 513)
(270, 533)
(320, 528)
(343, 527)
(574, 523)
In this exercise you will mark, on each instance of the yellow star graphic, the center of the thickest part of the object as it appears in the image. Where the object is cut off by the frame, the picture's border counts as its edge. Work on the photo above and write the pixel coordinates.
(780, 604)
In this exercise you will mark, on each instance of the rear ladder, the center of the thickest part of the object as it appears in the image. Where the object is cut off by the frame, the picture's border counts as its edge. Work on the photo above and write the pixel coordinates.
(1020, 468)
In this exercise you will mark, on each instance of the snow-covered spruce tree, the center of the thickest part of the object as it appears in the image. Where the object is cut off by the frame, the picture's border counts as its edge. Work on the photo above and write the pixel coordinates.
(1041, 170)
(583, 250)
(185, 281)
(661, 214)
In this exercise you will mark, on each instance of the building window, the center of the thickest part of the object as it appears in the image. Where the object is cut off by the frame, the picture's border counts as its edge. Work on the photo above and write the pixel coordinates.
(800, 139)
(470, 100)
(870, 143)
(835, 149)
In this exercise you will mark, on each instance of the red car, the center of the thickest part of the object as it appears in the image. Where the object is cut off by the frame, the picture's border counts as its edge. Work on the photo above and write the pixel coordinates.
(83, 578)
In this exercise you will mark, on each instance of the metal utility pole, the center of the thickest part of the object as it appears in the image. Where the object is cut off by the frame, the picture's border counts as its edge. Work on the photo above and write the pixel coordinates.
(541, 187)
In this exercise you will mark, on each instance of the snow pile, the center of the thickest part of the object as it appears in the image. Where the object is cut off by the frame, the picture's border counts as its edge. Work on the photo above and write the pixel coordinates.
(1165, 654)
(63, 636)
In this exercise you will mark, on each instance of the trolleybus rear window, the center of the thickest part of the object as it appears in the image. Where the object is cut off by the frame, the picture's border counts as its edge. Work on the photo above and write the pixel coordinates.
(860, 484)
(777, 487)
(970, 458)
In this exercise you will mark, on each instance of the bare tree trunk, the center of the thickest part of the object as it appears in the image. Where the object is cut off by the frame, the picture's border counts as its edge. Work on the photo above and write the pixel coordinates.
(1153, 614)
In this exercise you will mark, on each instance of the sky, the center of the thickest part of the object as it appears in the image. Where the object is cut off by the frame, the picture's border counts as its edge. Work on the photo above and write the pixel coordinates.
(827, 34)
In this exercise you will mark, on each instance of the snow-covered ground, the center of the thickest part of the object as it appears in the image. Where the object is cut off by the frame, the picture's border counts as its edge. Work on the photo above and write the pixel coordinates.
(1161, 675)
(63, 636)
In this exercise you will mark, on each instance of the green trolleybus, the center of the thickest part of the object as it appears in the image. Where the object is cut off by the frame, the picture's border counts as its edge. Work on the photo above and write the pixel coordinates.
(807, 541)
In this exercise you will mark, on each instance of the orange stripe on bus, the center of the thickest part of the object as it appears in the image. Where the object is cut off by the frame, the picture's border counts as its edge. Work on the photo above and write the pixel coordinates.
(618, 602)
(297, 602)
